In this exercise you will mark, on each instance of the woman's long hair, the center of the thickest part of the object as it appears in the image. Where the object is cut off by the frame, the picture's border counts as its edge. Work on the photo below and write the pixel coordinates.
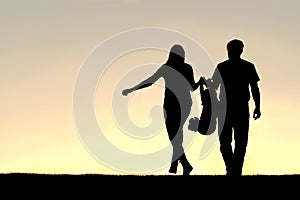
(176, 55)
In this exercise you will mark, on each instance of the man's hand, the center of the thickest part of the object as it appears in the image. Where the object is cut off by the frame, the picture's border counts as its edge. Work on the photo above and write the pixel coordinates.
(256, 113)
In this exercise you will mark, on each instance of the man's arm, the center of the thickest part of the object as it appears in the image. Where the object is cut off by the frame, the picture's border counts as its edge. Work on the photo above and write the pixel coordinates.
(256, 97)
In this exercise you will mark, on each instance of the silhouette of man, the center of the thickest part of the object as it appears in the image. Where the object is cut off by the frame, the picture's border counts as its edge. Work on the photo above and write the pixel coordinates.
(233, 77)
(179, 82)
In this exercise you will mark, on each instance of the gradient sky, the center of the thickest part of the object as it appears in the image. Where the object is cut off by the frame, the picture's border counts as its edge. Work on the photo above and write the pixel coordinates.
(45, 42)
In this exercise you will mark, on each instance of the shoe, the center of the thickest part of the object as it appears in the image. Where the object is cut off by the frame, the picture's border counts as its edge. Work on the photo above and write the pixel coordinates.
(187, 167)
(173, 167)
(173, 170)
(187, 170)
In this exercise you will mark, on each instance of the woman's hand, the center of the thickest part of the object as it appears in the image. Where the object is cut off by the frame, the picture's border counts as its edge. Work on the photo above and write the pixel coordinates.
(202, 81)
(126, 92)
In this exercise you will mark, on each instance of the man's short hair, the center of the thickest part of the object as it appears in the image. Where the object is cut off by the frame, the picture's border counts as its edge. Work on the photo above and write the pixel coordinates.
(235, 45)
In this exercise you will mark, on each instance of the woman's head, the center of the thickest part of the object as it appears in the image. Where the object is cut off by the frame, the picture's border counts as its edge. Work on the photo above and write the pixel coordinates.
(177, 54)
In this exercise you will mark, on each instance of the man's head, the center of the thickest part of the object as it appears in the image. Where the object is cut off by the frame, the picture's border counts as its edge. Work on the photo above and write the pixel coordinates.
(234, 48)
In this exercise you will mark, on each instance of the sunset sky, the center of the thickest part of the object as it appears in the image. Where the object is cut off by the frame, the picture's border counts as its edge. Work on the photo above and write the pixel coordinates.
(47, 44)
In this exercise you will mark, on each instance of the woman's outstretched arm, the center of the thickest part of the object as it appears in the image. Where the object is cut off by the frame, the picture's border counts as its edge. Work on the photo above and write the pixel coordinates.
(145, 83)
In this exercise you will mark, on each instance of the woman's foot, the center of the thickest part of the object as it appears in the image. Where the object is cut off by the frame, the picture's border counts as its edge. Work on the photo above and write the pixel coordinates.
(187, 167)
(173, 167)
(187, 170)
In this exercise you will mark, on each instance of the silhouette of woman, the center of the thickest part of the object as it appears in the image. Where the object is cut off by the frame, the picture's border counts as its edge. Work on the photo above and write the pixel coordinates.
(179, 82)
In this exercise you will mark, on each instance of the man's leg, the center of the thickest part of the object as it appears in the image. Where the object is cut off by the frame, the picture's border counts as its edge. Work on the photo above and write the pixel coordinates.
(241, 129)
(225, 138)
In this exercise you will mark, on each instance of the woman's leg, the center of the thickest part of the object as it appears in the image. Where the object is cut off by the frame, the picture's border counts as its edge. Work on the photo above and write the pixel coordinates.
(175, 117)
(187, 167)
(172, 126)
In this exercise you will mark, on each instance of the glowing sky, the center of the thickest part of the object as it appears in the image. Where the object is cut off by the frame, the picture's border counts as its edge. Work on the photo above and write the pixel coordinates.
(44, 44)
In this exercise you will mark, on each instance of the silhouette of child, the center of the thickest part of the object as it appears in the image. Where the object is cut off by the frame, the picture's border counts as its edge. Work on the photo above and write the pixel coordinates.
(207, 122)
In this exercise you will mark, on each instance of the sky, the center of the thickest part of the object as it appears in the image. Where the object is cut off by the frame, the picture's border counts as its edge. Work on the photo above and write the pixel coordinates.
(49, 50)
